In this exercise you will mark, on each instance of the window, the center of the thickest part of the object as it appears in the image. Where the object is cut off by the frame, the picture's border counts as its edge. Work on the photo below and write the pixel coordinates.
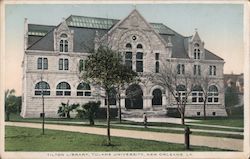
(42, 63)
(157, 63)
(83, 89)
(197, 70)
(128, 59)
(180, 94)
(139, 46)
(128, 45)
(197, 54)
(214, 113)
(63, 89)
(66, 64)
(198, 113)
(63, 64)
(213, 95)
(212, 70)
(180, 69)
(157, 56)
(42, 88)
(197, 94)
(81, 65)
(63, 43)
(139, 62)
(157, 67)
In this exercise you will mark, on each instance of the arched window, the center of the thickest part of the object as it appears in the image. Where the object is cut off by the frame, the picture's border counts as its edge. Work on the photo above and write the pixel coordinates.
(157, 97)
(139, 62)
(63, 89)
(139, 46)
(128, 45)
(63, 43)
(157, 63)
(81, 65)
(83, 89)
(197, 51)
(213, 94)
(197, 94)
(42, 87)
(180, 94)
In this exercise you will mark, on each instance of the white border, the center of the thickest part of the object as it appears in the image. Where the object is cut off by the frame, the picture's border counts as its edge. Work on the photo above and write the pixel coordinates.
(198, 155)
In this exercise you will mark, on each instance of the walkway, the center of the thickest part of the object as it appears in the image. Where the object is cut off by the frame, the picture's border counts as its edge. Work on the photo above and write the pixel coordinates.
(216, 142)
(178, 121)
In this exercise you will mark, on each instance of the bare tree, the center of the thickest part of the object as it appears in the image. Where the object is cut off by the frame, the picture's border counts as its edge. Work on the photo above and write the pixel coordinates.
(206, 84)
(179, 83)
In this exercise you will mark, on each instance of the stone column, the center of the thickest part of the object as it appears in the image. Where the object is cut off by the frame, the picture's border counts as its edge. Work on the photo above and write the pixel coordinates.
(147, 102)
(123, 96)
(164, 100)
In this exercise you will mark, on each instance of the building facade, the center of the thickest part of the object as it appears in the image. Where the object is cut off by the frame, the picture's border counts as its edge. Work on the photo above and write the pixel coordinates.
(53, 56)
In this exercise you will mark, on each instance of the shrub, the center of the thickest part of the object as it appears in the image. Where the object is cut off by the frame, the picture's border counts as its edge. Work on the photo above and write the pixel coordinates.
(89, 111)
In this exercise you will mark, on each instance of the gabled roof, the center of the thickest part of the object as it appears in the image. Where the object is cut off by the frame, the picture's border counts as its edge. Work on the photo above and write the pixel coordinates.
(41, 36)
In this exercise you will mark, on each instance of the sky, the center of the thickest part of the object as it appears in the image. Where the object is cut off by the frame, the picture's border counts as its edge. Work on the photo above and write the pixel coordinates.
(220, 26)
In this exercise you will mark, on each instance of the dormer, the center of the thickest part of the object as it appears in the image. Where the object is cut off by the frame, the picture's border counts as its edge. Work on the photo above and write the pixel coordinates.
(63, 38)
(196, 47)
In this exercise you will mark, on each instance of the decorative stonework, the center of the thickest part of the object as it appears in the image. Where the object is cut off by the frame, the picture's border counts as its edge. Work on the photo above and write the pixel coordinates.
(63, 29)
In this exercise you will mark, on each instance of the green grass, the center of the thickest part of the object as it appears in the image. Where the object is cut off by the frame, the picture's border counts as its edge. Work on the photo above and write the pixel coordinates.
(172, 125)
(30, 139)
(224, 121)
(100, 122)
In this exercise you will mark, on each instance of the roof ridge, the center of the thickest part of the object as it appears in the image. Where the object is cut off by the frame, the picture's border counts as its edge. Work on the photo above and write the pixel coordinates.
(41, 25)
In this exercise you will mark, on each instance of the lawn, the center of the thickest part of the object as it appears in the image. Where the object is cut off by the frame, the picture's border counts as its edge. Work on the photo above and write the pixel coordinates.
(102, 123)
(30, 139)
(224, 121)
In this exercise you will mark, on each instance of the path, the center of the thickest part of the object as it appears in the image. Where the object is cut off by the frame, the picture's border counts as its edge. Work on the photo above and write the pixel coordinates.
(178, 121)
(216, 142)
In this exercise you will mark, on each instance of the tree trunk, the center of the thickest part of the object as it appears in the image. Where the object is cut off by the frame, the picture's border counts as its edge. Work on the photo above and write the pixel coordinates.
(91, 121)
(182, 118)
(108, 121)
(68, 115)
(204, 110)
(119, 108)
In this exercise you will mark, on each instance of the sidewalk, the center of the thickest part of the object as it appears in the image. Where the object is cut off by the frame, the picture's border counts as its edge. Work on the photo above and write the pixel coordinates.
(216, 142)
(178, 121)
(163, 128)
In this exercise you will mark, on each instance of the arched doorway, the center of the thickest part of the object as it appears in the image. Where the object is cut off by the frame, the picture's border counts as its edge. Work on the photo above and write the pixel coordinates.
(134, 98)
(157, 97)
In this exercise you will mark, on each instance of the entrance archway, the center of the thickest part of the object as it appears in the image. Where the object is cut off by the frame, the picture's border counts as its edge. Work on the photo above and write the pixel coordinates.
(134, 98)
(157, 97)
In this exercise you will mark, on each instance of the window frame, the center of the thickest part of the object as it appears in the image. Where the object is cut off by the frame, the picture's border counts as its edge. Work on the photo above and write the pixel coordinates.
(139, 62)
(63, 91)
(83, 92)
(213, 95)
(38, 91)
(64, 43)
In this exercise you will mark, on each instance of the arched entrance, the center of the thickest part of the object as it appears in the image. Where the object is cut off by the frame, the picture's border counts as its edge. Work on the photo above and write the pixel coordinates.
(157, 97)
(134, 98)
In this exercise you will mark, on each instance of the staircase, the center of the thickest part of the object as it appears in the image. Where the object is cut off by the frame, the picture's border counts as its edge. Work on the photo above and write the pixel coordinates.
(138, 113)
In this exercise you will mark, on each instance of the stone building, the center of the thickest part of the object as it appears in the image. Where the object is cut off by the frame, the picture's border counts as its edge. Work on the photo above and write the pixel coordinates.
(53, 54)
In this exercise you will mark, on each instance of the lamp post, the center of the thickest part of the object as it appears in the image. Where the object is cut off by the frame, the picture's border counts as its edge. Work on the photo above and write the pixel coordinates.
(43, 114)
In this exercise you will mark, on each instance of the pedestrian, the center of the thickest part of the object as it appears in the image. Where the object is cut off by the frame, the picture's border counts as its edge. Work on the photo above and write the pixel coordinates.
(145, 120)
